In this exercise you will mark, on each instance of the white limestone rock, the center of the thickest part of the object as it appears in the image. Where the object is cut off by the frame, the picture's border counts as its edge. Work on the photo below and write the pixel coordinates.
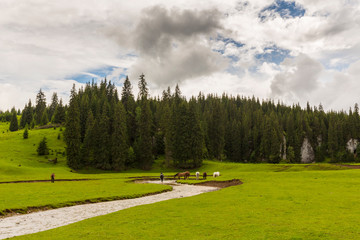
(351, 145)
(307, 152)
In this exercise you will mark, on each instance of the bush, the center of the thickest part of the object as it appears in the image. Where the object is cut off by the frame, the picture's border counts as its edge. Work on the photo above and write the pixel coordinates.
(26, 134)
(43, 148)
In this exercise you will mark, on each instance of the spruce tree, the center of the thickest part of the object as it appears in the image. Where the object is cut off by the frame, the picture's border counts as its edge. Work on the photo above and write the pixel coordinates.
(53, 105)
(196, 138)
(119, 150)
(103, 145)
(59, 114)
(128, 101)
(43, 148)
(29, 114)
(216, 130)
(143, 148)
(72, 132)
(332, 137)
(44, 119)
(88, 146)
(40, 106)
(23, 117)
(181, 135)
(26, 133)
(14, 122)
(236, 130)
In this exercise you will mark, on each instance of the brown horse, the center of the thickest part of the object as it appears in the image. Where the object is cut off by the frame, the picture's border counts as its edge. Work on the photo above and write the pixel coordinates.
(183, 174)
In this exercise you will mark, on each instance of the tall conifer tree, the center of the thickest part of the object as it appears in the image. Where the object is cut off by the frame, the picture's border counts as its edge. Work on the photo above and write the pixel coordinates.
(40, 106)
(144, 144)
(119, 150)
(53, 105)
(128, 101)
(14, 126)
(72, 132)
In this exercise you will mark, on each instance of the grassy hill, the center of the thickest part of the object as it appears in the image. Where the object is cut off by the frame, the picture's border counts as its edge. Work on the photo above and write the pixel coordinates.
(276, 201)
(19, 161)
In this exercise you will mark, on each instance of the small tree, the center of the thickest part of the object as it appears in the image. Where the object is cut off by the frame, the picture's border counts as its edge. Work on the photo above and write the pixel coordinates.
(14, 122)
(44, 118)
(43, 148)
(26, 133)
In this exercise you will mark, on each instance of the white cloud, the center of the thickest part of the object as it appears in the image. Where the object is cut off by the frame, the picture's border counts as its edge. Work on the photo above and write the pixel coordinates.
(44, 43)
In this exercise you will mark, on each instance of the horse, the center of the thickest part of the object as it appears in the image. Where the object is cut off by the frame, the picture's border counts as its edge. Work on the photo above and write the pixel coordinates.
(216, 174)
(183, 174)
(197, 175)
(204, 175)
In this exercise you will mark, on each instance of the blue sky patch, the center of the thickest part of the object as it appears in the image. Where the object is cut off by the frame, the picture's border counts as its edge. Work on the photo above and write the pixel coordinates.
(227, 41)
(286, 9)
(100, 74)
(273, 54)
(230, 40)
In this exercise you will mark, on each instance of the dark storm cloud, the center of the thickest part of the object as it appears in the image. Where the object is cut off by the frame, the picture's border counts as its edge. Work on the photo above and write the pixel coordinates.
(159, 29)
(173, 45)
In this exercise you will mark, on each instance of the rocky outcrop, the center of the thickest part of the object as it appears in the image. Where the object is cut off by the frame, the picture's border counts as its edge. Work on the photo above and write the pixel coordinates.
(307, 152)
(351, 145)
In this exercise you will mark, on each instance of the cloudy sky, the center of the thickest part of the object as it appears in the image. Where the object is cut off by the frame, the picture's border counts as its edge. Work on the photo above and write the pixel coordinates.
(293, 51)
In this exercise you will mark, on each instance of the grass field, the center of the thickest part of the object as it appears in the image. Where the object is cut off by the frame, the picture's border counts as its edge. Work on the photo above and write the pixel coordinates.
(269, 205)
(19, 161)
(317, 201)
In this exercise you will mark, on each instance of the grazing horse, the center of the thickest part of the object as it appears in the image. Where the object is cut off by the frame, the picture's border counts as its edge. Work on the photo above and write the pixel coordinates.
(183, 174)
(204, 175)
(197, 175)
(216, 174)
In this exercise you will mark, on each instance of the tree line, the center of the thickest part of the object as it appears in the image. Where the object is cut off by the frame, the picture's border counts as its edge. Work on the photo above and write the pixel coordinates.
(36, 115)
(112, 132)
(109, 132)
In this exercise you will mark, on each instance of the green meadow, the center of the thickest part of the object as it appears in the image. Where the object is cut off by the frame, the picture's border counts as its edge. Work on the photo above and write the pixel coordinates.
(275, 201)
(19, 161)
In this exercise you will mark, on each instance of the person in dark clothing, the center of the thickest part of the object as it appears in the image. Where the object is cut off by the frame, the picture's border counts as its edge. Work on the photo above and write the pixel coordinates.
(53, 178)
(161, 177)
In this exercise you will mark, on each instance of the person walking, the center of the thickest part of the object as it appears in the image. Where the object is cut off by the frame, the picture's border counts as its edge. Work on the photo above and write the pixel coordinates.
(53, 177)
(161, 177)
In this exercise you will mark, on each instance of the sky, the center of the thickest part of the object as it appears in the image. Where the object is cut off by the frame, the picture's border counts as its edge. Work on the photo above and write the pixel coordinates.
(289, 51)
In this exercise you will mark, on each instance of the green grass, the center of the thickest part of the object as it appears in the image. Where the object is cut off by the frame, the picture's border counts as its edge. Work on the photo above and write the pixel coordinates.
(269, 205)
(60, 194)
(19, 161)
(314, 201)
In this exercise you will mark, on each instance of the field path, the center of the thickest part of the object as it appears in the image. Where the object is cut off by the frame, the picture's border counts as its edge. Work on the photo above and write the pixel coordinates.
(45, 220)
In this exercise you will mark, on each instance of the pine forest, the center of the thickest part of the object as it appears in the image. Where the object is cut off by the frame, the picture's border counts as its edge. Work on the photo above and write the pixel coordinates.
(116, 131)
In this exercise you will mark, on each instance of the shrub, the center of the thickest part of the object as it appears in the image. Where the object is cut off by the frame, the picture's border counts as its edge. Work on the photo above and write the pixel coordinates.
(26, 134)
(43, 148)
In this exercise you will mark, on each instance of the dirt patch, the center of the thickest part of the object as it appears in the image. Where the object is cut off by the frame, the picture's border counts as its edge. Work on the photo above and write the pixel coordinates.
(56, 180)
(283, 168)
(349, 166)
(49, 126)
(221, 184)
(217, 184)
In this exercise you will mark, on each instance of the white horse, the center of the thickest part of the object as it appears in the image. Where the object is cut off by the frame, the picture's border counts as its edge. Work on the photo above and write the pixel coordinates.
(216, 174)
(197, 175)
